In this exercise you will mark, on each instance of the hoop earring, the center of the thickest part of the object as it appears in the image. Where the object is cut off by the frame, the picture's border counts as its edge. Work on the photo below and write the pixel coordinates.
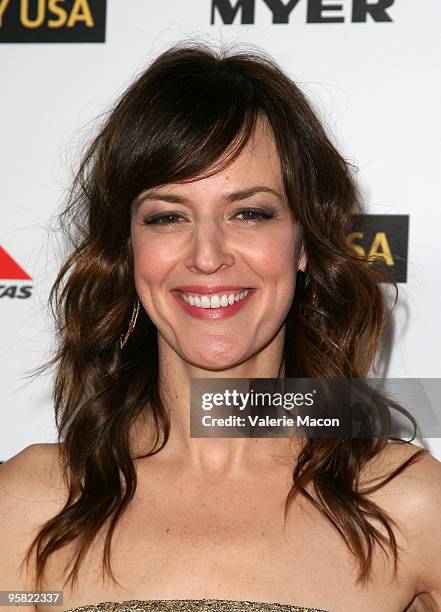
(123, 339)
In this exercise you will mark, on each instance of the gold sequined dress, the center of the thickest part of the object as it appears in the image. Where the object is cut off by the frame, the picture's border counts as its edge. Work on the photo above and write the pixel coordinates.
(190, 605)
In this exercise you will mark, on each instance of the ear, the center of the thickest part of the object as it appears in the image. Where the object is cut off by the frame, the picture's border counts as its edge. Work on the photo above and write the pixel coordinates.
(302, 261)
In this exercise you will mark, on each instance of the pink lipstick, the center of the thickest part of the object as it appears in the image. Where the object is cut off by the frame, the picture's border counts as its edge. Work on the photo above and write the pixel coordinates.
(223, 312)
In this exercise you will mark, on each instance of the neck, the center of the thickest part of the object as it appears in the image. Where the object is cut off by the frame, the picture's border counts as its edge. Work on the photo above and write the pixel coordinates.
(215, 456)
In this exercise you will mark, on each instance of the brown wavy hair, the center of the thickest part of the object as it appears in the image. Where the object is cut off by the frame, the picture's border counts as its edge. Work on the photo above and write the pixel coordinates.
(187, 116)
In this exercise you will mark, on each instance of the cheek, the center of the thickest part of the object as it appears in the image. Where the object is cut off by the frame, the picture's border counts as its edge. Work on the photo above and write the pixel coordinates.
(274, 256)
(151, 261)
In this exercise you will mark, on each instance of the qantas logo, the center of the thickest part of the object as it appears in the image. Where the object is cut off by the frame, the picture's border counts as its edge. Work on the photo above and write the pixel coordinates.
(10, 270)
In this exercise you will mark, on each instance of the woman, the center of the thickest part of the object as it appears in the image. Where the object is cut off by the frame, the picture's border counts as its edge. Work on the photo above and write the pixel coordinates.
(213, 177)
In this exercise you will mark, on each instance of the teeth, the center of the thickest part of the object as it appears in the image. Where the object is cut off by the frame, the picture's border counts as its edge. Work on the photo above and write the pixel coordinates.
(213, 301)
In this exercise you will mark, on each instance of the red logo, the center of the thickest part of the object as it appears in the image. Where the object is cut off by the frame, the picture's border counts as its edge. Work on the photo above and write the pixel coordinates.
(9, 268)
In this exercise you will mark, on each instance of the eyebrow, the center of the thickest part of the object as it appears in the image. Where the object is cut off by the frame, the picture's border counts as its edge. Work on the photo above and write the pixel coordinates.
(234, 196)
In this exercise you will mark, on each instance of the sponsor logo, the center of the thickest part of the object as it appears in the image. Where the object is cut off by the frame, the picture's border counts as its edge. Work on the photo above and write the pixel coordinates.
(52, 21)
(383, 240)
(317, 11)
(10, 270)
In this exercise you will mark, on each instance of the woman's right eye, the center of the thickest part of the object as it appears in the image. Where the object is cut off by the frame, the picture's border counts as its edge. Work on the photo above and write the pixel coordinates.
(161, 219)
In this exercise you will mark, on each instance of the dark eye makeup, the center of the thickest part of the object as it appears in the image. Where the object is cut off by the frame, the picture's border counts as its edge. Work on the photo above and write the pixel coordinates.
(168, 218)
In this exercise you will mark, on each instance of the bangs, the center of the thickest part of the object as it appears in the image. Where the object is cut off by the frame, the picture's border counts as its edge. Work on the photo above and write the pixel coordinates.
(185, 122)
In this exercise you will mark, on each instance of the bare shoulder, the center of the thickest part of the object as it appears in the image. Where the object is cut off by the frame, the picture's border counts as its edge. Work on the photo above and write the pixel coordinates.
(414, 498)
(34, 474)
(395, 454)
(418, 482)
(31, 492)
(423, 523)
(422, 482)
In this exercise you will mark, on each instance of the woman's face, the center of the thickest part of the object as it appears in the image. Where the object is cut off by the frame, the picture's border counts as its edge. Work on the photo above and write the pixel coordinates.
(218, 236)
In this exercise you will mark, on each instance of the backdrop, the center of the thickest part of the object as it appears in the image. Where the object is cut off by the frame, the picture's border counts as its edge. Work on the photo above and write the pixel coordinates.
(371, 70)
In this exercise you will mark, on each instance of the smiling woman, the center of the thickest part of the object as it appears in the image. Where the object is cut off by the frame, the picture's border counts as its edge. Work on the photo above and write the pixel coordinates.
(208, 223)
(224, 227)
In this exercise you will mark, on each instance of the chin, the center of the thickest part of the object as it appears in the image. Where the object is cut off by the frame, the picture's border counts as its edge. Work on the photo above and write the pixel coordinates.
(219, 358)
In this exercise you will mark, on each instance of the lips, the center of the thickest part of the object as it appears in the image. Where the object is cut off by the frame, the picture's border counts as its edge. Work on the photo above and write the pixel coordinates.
(211, 313)
(209, 289)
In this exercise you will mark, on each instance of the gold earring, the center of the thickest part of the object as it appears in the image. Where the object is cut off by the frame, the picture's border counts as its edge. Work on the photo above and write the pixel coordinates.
(123, 339)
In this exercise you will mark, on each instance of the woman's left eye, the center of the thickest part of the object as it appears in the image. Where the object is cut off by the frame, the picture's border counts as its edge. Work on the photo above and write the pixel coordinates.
(261, 214)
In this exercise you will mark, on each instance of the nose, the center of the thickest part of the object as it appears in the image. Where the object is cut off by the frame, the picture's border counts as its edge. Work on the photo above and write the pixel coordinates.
(209, 248)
